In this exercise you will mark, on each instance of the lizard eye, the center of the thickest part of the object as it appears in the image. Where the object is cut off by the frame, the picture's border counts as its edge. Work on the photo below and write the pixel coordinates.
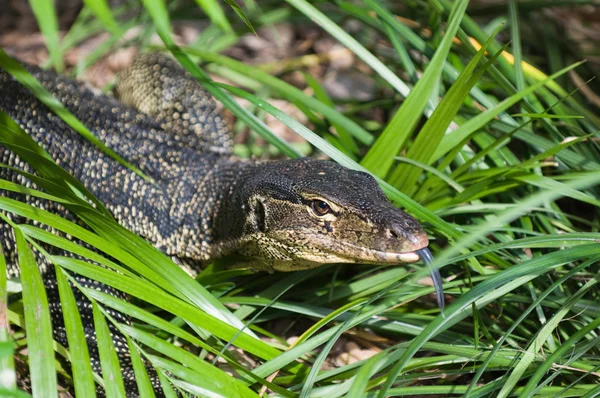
(320, 208)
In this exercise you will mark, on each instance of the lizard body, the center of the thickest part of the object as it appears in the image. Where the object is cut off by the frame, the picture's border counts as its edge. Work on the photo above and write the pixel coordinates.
(202, 203)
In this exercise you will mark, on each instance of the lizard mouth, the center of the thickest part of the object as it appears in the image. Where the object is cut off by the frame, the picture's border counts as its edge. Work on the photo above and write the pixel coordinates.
(374, 256)
(378, 257)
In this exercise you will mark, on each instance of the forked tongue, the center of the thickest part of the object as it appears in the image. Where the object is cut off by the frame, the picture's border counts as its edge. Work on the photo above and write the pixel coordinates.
(427, 258)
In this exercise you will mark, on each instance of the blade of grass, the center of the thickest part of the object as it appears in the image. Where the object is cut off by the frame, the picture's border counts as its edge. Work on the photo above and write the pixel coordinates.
(166, 386)
(451, 140)
(46, 17)
(111, 371)
(215, 12)
(487, 291)
(151, 319)
(287, 91)
(515, 33)
(214, 379)
(380, 157)
(405, 177)
(60, 182)
(83, 377)
(321, 94)
(240, 12)
(518, 321)
(347, 40)
(537, 344)
(102, 11)
(407, 63)
(141, 375)
(8, 377)
(146, 292)
(37, 321)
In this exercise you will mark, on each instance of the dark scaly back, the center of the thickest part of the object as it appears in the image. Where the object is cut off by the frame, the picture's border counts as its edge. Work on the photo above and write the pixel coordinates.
(156, 85)
(174, 211)
(171, 211)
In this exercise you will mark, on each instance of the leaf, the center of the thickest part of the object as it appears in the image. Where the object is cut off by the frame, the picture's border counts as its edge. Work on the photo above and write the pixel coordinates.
(214, 11)
(83, 377)
(111, 370)
(8, 377)
(141, 376)
(287, 91)
(37, 322)
(46, 17)
(240, 12)
(347, 40)
(321, 94)
(552, 358)
(101, 10)
(380, 157)
(487, 291)
(214, 379)
(145, 291)
(542, 335)
(404, 176)
(476, 123)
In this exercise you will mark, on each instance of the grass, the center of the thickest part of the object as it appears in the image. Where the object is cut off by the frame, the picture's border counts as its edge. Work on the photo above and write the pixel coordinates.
(480, 142)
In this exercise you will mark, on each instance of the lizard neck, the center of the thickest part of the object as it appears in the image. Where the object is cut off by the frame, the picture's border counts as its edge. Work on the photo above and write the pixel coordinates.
(203, 232)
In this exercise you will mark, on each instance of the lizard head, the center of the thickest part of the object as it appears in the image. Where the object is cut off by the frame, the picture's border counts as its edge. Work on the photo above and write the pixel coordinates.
(300, 214)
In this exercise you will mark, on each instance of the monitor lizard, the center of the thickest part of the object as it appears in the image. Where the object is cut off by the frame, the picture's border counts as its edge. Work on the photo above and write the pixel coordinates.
(202, 203)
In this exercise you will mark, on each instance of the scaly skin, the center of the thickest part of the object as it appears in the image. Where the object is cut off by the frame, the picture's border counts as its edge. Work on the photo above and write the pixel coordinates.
(203, 203)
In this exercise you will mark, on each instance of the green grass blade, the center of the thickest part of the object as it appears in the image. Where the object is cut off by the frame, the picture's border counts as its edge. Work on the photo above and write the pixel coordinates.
(151, 294)
(166, 386)
(46, 17)
(151, 319)
(548, 183)
(448, 180)
(380, 157)
(111, 370)
(214, 379)
(287, 91)
(37, 321)
(487, 291)
(518, 321)
(215, 12)
(56, 180)
(162, 266)
(240, 12)
(83, 377)
(404, 176)
(347, 40)
(186, 379)
(476, 123)
(102, 11)
(142, 380)
(537, 344)
(407, 63)
(8, 377)
(513, 8)
(321, 95)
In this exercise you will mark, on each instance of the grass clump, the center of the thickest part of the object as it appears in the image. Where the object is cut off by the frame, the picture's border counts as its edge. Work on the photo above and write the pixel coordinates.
(477, 139)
